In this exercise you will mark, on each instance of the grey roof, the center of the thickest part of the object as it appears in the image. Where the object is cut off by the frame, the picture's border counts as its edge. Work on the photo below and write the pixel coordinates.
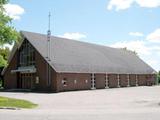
(73, 56)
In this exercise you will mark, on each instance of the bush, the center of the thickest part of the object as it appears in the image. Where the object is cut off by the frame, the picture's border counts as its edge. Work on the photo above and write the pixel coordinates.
(0, 83)
(2, 62)
(158, 77)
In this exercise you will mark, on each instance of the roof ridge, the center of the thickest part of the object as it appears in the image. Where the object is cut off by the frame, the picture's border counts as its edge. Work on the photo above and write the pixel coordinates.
(74, 40)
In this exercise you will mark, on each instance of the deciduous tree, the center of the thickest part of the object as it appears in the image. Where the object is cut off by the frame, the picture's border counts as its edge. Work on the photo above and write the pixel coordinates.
(8, 34)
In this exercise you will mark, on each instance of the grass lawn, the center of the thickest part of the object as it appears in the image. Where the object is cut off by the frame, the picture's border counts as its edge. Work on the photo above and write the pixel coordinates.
(11, 102)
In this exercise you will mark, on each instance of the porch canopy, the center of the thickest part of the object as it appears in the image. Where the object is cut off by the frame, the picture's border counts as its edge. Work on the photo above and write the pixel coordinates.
(27, 69)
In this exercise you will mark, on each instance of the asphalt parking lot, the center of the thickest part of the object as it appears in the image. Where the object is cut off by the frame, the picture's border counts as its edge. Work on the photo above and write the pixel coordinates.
(131, 103)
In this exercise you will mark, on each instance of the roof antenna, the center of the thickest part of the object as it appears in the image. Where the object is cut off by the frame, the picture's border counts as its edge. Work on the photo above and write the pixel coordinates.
(48, 51)
(48, 37)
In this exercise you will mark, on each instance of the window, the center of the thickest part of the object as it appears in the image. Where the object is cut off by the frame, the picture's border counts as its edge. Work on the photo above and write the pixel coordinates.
(37, 80)
(86, 81)
(106, 80)
(64, 82)
(93, 81)
(75, 81)
(26, 54)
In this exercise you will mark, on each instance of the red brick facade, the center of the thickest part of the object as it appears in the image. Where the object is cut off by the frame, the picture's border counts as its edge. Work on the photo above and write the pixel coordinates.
(112, 81)
(74, 81)
(123, 82)
(100, 81)
(10, 80)
(132, 80)
(71, 81)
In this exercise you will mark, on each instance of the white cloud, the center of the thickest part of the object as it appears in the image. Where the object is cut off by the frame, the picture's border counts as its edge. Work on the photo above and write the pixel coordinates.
(125, 4)
(14, 11)
(138, 34)
(154, 62)
(74, 36)
(119, 4)
(138, 46)
(148, 3)
(156, 48)
(154, 36)
(150, 54)
(147, 49)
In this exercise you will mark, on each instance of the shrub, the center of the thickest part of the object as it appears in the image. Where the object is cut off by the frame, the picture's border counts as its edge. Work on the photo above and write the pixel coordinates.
(0, 83)
(158, 77)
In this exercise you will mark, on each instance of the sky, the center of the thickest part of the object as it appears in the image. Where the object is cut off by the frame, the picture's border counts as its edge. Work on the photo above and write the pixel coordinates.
(134, 24)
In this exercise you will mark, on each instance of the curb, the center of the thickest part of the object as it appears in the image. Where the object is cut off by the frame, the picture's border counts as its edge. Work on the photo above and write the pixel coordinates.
(10, 108)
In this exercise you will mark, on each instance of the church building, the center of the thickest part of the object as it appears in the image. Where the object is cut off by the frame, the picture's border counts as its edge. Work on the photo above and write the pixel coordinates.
(60, 64)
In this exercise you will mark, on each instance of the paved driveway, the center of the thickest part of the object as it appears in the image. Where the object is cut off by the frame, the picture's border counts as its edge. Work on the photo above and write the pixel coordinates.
(134, 103)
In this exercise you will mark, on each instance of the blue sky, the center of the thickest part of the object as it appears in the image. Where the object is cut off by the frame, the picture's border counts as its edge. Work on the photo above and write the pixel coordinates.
(134, 24)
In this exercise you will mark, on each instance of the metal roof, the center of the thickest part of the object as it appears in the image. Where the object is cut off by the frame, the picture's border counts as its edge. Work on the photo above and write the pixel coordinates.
(73, 56)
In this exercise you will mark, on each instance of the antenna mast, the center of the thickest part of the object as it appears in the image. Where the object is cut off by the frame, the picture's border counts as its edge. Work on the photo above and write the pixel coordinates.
(48, 51)
(48, 37)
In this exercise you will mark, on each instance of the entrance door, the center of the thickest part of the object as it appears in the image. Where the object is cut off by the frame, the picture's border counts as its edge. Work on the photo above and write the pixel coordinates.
(26, 80)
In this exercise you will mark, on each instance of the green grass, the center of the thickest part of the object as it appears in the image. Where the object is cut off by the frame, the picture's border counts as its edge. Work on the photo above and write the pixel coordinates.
(11, 102)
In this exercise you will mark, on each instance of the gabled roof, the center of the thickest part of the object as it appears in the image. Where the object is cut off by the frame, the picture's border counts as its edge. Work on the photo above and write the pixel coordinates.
(73, 56)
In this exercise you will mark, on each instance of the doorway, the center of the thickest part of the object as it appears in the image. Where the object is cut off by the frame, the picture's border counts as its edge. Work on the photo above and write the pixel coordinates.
(26, 81)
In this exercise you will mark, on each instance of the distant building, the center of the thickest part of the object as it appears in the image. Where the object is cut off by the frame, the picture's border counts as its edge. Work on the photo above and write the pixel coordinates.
(72, 65)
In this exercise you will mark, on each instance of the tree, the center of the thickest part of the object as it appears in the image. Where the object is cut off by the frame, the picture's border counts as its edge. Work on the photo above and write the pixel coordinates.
(3, 62)
(8, 33)
(125, 48)
(4, 52)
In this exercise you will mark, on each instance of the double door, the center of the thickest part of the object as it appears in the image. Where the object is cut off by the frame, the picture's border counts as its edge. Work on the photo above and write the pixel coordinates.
(26, 81)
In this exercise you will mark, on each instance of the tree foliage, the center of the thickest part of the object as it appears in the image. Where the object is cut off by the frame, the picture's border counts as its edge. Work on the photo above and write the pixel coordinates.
(2, 2)
(3, 62)
(8, 33)
(4, 52)
(126, 49)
